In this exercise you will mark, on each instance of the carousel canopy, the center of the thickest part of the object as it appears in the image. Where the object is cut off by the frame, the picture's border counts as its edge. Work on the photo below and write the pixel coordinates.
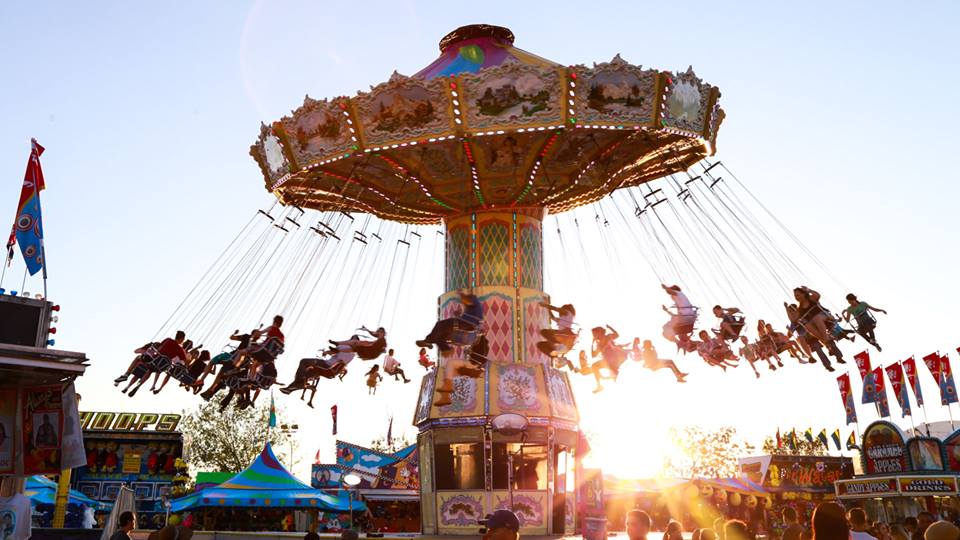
(489, 125)
(265, 483)
(42, 490)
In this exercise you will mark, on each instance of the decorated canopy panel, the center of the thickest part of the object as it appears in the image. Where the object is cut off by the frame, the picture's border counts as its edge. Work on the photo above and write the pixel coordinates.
(488, 125)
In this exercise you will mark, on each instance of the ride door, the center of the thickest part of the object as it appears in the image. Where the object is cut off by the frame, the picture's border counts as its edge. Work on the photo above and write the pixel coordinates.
(563, 469)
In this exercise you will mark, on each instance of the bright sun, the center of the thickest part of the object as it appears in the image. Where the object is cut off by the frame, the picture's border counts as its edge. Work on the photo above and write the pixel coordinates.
(628, 423)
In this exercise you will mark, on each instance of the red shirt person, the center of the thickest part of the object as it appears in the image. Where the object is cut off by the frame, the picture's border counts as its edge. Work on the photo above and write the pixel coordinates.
(172, 348)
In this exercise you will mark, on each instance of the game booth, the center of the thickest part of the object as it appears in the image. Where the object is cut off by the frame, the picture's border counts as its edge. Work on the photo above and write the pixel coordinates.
(801, 482)
(39, 420)
(389, 485)
(902, 477)
(139, 450)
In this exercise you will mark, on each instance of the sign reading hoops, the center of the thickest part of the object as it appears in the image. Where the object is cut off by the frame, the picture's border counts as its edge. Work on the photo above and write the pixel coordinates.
(125, 421)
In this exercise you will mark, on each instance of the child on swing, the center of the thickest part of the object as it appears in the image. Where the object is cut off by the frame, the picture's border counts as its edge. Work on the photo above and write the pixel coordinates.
(373, 377)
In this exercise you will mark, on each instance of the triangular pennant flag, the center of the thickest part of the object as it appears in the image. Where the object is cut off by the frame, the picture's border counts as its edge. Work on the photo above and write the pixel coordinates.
(822, 437)
(808, 435)
(851, 441)
(836, 438)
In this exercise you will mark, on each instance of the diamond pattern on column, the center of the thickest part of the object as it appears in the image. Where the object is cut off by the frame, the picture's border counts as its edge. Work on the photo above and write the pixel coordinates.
(531, 257)
(534, 320)
(498, 324)
(494, 249)
(458, 258)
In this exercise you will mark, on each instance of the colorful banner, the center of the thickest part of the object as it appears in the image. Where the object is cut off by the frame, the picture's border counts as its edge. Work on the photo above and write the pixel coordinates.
(333, 413)
(863, 363)
(8, 417)
(852, 441)
(932, 362)
(836, 439)
(843, 382)
(948, 389)
(874, 391)
(42, 429)
(895, 374)
(28, 225)
(910, 370)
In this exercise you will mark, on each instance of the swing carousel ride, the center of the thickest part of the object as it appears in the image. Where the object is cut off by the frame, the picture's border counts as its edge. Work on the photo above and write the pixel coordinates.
(485, 153)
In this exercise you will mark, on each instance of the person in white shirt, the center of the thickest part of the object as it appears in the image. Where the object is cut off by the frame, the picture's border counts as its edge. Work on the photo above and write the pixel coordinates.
(683, 317)
(392, 367)
(858, 525)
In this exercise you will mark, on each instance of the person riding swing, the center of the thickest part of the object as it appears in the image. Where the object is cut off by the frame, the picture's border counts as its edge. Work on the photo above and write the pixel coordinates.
(731, 322)
(680, 326)
(456, 330)
(558, 342)
(648, 355)
(866, 322)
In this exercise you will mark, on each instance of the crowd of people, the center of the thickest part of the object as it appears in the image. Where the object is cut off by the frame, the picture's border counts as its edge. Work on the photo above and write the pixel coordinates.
(828, 521)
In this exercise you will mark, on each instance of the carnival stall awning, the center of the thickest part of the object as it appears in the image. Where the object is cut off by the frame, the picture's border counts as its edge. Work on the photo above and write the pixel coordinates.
(639, 486)
(903, 485)
(265, 483)
(42, 490)
(734, 485)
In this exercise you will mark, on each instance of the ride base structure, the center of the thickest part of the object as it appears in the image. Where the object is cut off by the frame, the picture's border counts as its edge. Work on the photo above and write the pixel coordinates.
(488, 140)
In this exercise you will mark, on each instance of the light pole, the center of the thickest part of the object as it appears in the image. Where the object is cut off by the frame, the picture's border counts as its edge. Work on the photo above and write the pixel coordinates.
(510, 424)
(350, 481)
(289, 431)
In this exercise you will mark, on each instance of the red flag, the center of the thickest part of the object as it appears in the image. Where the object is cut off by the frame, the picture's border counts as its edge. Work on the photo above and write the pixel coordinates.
(910, 370)
(948, 388)
(843, 383)
(316, 458)
(779, 440)
(863, 363)
(895, 374)
(333, 413)
(28, 212)
(881, 392)
(932, 361)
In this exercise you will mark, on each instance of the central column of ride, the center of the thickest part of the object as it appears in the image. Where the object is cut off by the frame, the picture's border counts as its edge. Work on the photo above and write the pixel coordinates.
(465, 456)
(498, 256)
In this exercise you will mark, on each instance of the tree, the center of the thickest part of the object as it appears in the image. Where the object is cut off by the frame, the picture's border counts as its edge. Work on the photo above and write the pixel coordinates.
(705, 454)
(229, 441)
(380, 444)
(804, 448)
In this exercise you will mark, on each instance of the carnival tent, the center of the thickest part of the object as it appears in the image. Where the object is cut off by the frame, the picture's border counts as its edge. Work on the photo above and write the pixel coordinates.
(42, 490)
(265, 483)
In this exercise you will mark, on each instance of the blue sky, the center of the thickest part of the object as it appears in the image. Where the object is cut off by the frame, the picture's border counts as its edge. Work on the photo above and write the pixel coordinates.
(840, 116)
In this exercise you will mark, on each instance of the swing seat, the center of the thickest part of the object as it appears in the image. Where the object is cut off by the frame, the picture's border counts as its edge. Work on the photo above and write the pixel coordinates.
(477, 354)
(736, 328)
(158, 362)
(268, 351)
(267, 377)
(181, 374)
(463, 338)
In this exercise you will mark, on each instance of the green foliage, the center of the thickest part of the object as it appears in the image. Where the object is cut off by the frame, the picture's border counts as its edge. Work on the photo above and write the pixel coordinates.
(705, 454)
(380, 444)
(229, 441)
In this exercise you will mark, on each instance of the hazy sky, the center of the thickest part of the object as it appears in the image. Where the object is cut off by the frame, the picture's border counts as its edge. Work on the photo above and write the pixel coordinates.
(840, 117)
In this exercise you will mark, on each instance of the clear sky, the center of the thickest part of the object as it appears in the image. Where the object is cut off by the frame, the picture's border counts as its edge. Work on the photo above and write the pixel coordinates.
(840, 116)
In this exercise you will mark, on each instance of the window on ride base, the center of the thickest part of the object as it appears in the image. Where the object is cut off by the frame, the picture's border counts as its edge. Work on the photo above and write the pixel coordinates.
(529, 465)
(459, 466)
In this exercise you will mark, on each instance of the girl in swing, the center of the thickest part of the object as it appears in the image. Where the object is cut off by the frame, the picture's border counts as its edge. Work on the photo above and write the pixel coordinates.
(373, 377)
(866, 323)
(612, 355)
(648, 355)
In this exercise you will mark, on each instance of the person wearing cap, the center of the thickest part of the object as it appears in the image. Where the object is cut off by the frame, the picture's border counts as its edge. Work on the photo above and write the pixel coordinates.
(942, 530)
(501, 525)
